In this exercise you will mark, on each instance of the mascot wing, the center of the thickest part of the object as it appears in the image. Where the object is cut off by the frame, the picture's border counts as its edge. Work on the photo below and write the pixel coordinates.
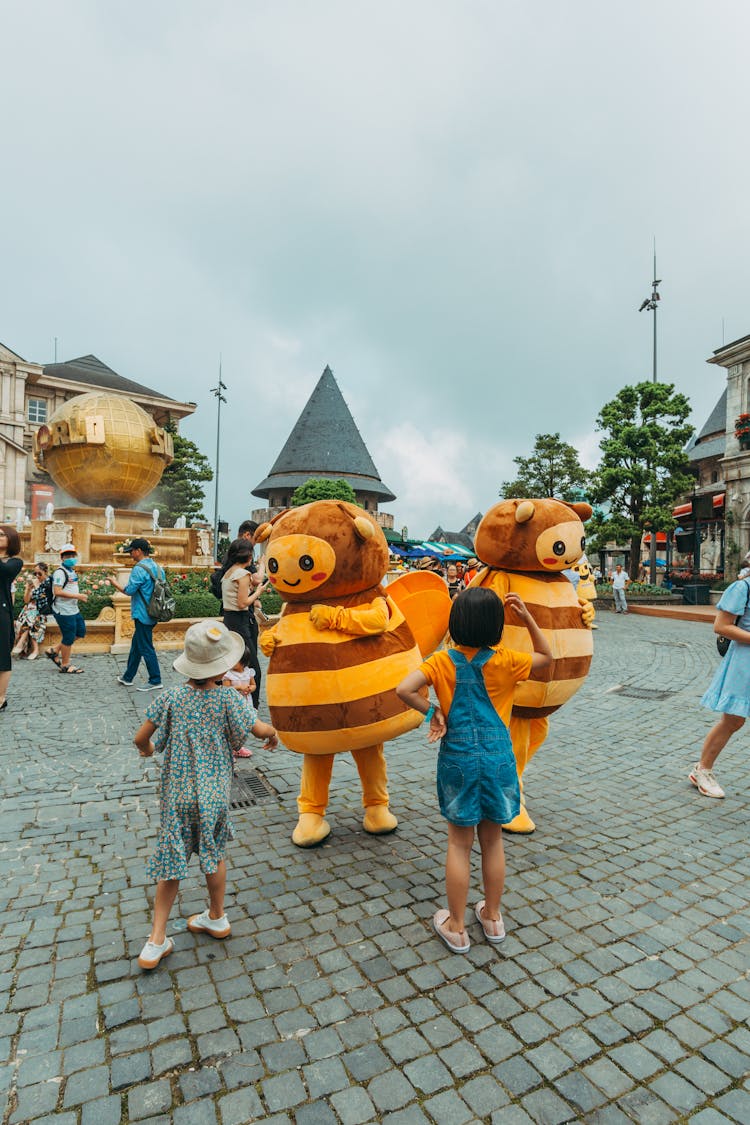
(424, 600)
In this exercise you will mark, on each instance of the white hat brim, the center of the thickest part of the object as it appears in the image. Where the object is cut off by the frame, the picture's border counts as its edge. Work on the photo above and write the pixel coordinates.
(195, 671)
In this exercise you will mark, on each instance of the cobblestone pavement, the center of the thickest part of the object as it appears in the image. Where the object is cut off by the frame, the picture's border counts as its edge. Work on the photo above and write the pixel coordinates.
(620, 994)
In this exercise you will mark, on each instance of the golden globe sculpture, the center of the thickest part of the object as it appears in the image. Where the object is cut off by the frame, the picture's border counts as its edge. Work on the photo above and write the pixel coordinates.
(103, 449)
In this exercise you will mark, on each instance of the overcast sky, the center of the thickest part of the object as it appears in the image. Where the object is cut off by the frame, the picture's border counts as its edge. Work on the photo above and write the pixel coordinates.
(452, 204)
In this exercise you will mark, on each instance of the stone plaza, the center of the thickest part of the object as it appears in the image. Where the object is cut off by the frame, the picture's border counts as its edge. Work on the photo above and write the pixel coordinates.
(621, 993)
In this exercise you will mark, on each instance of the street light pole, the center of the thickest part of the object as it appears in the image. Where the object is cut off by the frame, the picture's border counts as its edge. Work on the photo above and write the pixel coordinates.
(651, 303)
(217, 392)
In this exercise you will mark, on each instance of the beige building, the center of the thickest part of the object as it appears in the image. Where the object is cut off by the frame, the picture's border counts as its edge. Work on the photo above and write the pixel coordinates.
(29, 395)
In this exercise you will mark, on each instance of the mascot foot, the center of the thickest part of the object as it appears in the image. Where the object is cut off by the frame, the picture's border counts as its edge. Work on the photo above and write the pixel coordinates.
(378, 820)
(311, 830)
(521, 825)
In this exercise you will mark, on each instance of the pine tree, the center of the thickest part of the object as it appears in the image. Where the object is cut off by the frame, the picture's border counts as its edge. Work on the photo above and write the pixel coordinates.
(180, 491)
(644, 466)
(553, 469)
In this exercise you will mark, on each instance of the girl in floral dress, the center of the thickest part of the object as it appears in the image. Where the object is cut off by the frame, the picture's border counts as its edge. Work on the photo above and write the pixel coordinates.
(198, 726)
(31, 623)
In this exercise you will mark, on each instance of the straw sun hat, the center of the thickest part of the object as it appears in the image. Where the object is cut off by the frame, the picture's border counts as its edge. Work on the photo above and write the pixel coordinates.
(210, 650)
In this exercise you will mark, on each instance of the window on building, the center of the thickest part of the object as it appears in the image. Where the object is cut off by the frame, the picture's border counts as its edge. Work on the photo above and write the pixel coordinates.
(37, 410)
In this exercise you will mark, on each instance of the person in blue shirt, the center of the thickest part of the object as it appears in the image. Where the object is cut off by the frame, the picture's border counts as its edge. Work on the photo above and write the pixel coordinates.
(139, 589)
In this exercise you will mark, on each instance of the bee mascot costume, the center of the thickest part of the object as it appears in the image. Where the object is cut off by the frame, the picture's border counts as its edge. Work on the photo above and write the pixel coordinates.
(524, 545)
(340, 647)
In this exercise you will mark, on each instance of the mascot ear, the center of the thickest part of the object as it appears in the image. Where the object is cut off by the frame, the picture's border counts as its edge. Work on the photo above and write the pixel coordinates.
(263, 532)
(363, 529)
(583, 511)
(524, 511)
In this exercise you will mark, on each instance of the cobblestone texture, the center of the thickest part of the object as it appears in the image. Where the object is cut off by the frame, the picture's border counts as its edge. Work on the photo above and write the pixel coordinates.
(620, 993)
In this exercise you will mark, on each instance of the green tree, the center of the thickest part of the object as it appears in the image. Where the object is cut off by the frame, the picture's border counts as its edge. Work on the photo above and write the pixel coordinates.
(321, 488)
(180, 490)
(553, 469)
(644, 467)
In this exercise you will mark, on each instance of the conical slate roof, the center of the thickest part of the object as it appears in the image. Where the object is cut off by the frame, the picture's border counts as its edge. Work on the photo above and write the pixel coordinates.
(325, 442)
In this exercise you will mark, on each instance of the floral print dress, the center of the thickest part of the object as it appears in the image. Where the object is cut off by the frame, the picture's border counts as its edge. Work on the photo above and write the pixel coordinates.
(31, 618)
(198, 729)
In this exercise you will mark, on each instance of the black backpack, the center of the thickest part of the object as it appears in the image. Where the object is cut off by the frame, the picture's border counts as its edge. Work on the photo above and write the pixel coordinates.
(215, 583)
(161, 604)
(44, 603)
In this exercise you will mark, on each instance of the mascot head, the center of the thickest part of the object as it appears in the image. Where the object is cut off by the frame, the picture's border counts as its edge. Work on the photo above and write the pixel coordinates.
(532, 535)
(327, 549)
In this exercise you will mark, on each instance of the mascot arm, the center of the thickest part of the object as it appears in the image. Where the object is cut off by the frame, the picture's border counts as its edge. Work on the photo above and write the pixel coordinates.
(588, 613)
(268, 640)
(365, 620)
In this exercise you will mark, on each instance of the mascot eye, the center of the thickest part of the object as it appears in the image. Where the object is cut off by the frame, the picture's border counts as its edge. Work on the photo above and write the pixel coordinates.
(583, 542)
(306, 563)
(559, 547)
(273, 565)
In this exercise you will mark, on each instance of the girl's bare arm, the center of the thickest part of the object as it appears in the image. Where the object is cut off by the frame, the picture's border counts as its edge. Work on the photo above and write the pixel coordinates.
(266, 732)
(142, 739)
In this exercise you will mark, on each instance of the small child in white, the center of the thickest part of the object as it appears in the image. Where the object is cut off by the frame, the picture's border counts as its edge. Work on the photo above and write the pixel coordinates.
(242, 678)
(197, 726)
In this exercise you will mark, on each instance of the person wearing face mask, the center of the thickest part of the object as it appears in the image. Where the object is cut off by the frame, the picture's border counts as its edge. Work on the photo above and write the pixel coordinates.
(65, 610)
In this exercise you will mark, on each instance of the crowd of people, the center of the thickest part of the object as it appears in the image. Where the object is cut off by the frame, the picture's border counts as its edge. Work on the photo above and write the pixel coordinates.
(203, 724)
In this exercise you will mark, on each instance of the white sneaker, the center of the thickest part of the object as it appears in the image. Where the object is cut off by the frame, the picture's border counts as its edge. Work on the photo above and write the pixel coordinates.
(151, 954)
(124, 682)
(705, 781)
(149, 687)
(204, 924)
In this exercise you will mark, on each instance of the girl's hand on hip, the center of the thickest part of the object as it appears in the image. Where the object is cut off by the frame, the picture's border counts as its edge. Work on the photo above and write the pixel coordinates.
(438, 726)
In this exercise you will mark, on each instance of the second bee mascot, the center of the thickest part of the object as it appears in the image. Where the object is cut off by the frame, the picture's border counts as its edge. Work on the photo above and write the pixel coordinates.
(341, 646)
(525, 545)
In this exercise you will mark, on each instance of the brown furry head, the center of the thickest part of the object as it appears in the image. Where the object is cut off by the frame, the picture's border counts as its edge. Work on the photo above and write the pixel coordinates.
(532, 535)
(327, 549)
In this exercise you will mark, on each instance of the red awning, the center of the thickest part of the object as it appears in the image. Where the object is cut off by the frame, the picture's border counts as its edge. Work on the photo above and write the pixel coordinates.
(683, 510)
(719, 500)
(661, 537)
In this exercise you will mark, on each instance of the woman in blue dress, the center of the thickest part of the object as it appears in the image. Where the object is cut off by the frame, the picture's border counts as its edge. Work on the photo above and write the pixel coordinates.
(729, 693)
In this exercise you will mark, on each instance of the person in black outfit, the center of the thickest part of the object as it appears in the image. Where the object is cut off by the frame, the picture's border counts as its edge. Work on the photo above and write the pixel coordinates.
(10, 568)
(240, 591)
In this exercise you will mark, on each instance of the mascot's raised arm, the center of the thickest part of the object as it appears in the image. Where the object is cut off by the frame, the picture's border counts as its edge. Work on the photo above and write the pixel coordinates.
(525, 545)
(341, 646)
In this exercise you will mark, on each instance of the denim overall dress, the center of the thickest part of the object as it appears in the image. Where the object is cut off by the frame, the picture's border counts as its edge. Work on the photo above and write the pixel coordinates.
(476, 771)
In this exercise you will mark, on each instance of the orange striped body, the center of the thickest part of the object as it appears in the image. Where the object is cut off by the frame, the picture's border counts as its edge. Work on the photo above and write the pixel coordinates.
(553, 603)
(330, 691)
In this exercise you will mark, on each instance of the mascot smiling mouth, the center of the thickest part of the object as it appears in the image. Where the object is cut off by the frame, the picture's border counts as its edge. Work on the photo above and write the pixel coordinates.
(288, 583)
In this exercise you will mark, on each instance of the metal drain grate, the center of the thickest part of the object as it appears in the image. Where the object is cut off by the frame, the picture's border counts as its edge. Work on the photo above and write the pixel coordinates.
(250, 788)
(634, 692)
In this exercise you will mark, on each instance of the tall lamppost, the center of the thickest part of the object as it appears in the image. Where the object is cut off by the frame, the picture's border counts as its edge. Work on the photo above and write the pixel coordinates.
(651, 303)
(217, 392)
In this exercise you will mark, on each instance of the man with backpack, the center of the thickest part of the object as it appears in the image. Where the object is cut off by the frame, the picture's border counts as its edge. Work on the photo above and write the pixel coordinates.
(140, 589)
(65, 610)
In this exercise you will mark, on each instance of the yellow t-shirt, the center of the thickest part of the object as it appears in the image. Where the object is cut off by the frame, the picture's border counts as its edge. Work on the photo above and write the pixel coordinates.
(501, 674)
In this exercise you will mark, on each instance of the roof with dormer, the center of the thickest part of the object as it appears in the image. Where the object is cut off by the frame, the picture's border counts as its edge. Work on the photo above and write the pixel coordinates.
(325, 442)
(89, 369)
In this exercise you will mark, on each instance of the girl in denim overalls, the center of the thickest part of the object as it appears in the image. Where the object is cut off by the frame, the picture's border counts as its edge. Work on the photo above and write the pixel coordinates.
(476, 773)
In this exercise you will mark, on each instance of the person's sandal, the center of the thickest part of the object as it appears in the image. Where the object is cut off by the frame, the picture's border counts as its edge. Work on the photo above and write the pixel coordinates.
(70, 670)
(53, 656)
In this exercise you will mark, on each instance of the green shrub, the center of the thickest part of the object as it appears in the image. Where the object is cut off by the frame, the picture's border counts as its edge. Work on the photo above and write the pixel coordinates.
(196, 605)
(270, 601)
